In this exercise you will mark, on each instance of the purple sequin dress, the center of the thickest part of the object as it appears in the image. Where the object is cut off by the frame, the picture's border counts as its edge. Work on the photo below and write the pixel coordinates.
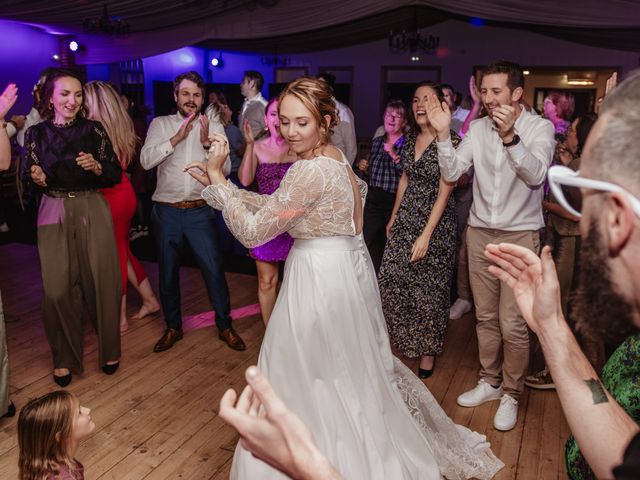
(269, 176)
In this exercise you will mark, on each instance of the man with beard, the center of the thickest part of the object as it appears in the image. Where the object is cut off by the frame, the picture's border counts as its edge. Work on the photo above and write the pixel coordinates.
(510, 150)
(609, 290)
(180, 214)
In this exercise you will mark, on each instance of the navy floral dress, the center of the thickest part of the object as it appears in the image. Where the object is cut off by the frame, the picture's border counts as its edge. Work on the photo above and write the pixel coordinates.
(416, 296)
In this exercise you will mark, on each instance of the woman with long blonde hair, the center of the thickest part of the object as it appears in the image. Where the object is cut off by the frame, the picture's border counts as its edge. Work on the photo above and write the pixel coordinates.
(104, 105)
(50, 429)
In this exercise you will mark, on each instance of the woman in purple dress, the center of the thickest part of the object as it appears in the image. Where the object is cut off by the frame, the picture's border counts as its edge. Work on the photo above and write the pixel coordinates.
(267, 160)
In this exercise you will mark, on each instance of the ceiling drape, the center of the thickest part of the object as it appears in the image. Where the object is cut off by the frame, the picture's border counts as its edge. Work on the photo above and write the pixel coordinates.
(158, 26)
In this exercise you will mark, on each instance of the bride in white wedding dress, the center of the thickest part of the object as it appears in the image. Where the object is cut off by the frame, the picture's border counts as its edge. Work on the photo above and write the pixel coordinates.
(326, 351)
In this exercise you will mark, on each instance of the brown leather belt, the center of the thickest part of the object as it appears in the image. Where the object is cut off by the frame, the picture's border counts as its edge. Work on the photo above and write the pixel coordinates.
(69, 193)
(186, 204)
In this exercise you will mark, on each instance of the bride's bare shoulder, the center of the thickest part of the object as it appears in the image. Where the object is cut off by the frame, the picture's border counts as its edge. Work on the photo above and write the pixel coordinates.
(332, 152)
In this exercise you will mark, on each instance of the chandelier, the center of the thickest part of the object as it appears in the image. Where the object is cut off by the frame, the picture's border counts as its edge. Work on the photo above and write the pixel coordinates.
(105, 24)
(411, 40)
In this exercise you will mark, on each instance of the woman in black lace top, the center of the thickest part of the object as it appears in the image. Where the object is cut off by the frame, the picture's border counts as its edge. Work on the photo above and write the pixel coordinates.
(69, 158)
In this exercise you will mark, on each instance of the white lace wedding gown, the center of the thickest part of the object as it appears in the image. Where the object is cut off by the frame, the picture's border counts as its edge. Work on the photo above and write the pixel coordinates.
(326, 350)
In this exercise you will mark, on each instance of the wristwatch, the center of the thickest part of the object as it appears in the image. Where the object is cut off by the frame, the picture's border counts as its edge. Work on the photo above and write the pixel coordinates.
(514, 141)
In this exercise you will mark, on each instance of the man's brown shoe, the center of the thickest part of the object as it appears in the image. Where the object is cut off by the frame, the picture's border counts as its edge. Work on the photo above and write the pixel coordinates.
(167, 340)
(232, 339)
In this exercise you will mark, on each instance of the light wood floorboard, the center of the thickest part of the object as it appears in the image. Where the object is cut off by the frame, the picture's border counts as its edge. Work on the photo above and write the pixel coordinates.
(156, 418)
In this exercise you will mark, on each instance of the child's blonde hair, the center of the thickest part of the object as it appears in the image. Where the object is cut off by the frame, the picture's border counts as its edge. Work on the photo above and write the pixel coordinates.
(45, 428)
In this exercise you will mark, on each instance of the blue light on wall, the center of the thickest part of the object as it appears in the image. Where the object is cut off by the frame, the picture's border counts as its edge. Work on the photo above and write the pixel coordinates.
(477, 22)
(186, 58)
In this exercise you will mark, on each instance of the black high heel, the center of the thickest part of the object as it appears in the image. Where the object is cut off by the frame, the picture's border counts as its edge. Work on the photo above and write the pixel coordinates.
(110, 369)
(422, 373)
(11, 411)
(64, 380)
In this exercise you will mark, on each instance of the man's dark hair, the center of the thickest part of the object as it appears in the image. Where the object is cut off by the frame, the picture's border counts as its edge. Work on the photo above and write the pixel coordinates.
(192, 76)
(329, 78)
(515, 75)
(255, 76)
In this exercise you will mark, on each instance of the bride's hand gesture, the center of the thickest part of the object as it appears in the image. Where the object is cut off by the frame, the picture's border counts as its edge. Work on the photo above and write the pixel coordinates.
(218, 152)
(210, 173)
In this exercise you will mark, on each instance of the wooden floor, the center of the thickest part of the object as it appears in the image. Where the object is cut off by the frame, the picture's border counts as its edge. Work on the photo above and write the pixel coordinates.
(156, 417)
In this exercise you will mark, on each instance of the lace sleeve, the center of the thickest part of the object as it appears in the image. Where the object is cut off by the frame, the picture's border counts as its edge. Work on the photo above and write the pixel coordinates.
(274, 214)
(217, 195)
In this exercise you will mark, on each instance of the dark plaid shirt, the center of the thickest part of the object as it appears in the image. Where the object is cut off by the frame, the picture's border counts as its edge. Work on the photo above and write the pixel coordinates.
(384, 173)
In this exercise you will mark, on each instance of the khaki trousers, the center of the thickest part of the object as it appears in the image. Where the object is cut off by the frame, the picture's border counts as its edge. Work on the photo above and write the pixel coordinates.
(80, 273)
(503, 338)
(464, 287)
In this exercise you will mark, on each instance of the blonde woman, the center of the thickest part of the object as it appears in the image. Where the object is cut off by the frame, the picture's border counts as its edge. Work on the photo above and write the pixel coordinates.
(104, 106)
(50, 429)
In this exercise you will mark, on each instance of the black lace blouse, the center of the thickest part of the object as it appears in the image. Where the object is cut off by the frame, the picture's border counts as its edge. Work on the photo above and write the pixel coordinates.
(55, 149)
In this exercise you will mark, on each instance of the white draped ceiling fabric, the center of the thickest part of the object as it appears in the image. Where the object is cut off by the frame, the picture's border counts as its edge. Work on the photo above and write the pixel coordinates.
(159, 26)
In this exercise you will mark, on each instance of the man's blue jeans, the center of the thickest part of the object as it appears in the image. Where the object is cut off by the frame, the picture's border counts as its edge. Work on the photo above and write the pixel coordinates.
(172, 226)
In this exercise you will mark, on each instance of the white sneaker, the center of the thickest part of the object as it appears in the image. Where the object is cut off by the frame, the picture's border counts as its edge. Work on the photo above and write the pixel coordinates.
(483, 392)
(459, 308)
(507, 414)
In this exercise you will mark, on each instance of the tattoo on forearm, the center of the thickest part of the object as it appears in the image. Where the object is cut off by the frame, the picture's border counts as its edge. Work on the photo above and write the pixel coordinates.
(597, 391)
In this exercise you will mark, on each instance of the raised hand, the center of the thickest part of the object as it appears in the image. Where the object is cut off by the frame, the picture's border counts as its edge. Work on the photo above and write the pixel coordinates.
(439, 116)
(185, 128)
(473, 90)
(534, 281)
(247, 133)
(7, 99)
(38, 176)
(204, 130)
(505, 119)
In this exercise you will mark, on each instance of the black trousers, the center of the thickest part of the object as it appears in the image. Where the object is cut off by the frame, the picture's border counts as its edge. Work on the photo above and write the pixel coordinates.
(377, 212)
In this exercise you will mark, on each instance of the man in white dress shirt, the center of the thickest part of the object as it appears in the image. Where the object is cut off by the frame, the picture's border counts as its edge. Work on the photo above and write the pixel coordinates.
(510, 150)
(254, 103)
(344, 133)
(179, 212)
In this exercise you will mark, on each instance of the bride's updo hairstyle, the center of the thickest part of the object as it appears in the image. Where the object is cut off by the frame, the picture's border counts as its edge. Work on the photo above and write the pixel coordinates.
(316, 96)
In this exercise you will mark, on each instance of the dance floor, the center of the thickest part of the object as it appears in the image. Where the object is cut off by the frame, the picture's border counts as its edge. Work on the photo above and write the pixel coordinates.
(156, 418)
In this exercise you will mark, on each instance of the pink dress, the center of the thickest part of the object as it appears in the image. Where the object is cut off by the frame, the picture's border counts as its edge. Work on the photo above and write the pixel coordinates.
(269, 176)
